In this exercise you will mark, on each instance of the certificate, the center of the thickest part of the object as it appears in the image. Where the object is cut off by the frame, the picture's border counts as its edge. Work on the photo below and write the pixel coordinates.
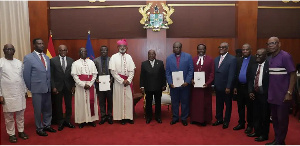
(177, 78)
(104, 84)
(199, 79)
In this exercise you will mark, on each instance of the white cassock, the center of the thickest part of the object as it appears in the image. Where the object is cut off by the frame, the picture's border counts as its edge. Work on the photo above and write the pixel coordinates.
(13, 89)
(122, 96)
(84, 110)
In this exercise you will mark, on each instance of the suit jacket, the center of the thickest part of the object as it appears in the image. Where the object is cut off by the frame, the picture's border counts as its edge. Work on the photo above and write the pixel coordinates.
(265, 80)
(239, 63)
(185, 65)
(98, 64)
(224, 75)
(36, 77)
(59, 78)
(153, 79)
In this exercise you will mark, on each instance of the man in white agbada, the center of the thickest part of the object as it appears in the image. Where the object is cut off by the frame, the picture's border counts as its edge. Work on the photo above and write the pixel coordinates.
(12, 93)
(84, 73)
(122, 68)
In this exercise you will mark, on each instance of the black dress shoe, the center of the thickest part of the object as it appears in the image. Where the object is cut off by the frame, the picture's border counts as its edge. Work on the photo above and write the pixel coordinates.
(110, 120)
(148, 121)
(101, 122)
(130, 121)
(49, 129)
(239, 127)
(81, 125)
(61, 127)
(184, 122)
(271, 143)
(173, 122)
(203, 124)
(158, 120)
(217, 123)
(248, 130)
(225, 125)
(123, 122)
(253, 135)
(261, 138)
(41, 133)
(13, 139)
(92, 124)
(23, 135)
(68, 124)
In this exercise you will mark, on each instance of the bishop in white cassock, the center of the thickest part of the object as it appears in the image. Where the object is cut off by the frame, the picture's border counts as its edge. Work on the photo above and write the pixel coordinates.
(12, 93)
(122, 68)
(85, 73)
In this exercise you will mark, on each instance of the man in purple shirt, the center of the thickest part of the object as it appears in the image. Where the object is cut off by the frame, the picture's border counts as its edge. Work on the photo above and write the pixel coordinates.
(282, 80)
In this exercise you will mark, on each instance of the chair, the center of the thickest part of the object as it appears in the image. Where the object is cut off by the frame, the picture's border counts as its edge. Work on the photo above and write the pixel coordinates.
(165, 99)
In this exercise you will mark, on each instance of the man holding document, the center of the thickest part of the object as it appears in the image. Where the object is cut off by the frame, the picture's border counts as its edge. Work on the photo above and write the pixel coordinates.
(179, 73)
(103, 86)
(201, 99)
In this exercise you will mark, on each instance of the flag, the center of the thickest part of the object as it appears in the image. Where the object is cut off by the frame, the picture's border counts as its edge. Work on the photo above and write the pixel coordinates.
(50, 50)
(89, 48)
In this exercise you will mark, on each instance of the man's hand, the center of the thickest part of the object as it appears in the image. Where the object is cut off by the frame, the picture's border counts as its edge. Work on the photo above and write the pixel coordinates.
(126, 83)
(204, 86)
(54, 91)
(143, 90)
(252, 96)
(163, 88)
(184, 84)
(86, 87)
(287, 97)
(1, 100)
(73, 90)
(172, 86)
(26, 95)
(235, 91)
(193, 82)
(97, 81)
(227, 91)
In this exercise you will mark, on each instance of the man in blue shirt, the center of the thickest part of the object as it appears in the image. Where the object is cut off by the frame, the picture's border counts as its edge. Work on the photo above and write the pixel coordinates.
(241, 89)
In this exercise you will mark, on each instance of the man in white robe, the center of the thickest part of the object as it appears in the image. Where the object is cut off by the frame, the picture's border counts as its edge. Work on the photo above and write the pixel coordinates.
(12, 93)
(84, 73)
(122, 68)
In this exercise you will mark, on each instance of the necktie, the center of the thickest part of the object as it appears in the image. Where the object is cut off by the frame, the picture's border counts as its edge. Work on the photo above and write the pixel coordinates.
(256, 88)
(63, 63)
(42, 59)
(221, 60)
(152, 63)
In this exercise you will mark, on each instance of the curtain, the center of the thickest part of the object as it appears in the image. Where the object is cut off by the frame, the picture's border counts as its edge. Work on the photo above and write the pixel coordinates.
(14, 27)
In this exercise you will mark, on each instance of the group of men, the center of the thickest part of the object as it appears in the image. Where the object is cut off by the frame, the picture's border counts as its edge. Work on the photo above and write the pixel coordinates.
(254, 79)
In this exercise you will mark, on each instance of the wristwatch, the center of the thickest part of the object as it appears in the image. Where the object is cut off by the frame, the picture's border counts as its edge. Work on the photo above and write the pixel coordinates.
(290, 93)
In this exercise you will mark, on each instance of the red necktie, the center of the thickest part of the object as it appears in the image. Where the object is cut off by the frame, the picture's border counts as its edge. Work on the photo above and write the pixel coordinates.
(43, 61)
(256, 88)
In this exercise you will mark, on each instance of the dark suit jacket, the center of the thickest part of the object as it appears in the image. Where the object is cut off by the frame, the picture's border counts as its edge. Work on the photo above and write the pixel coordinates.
(224, 75)
(98, 64)
(152, 79)
(59, 78)
(239, 63)
(265, 80)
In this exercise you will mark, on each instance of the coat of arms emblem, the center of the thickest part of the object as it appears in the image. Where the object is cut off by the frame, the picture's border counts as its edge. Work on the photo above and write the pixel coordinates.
(156, 20)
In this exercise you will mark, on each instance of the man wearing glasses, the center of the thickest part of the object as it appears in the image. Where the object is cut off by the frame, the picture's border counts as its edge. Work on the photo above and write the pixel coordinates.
(282, 80)
(225, 66)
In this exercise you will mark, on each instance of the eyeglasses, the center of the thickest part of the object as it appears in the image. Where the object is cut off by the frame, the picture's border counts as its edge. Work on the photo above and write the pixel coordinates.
(271, 43)
(9, 49)
(222, 47)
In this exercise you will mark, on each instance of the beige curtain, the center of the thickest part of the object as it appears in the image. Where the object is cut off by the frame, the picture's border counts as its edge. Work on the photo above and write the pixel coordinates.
(14, 27)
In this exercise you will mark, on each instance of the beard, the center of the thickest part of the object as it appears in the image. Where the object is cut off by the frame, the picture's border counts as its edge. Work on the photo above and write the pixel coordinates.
(122, 51)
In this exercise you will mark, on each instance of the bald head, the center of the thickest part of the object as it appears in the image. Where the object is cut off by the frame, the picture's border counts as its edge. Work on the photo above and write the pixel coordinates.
(177, 48)
(273, 45)
(151, 55)
(246, 50)
(9, 51)
(63, 50)
(261, 55)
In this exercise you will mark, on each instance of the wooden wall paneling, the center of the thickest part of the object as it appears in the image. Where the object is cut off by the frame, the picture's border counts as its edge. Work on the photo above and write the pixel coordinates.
(39, 21)
(246, 23)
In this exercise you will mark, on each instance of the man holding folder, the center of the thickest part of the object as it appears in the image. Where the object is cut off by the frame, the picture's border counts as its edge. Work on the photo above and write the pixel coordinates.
(179, 61)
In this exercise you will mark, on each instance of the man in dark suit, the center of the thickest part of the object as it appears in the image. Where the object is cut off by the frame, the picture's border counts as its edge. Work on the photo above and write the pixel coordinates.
(180, 61)
(258, 92)
(62, 85)
(225, 66)
(153, 82)
(37, 77)
(241, 89)
(101, 64)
